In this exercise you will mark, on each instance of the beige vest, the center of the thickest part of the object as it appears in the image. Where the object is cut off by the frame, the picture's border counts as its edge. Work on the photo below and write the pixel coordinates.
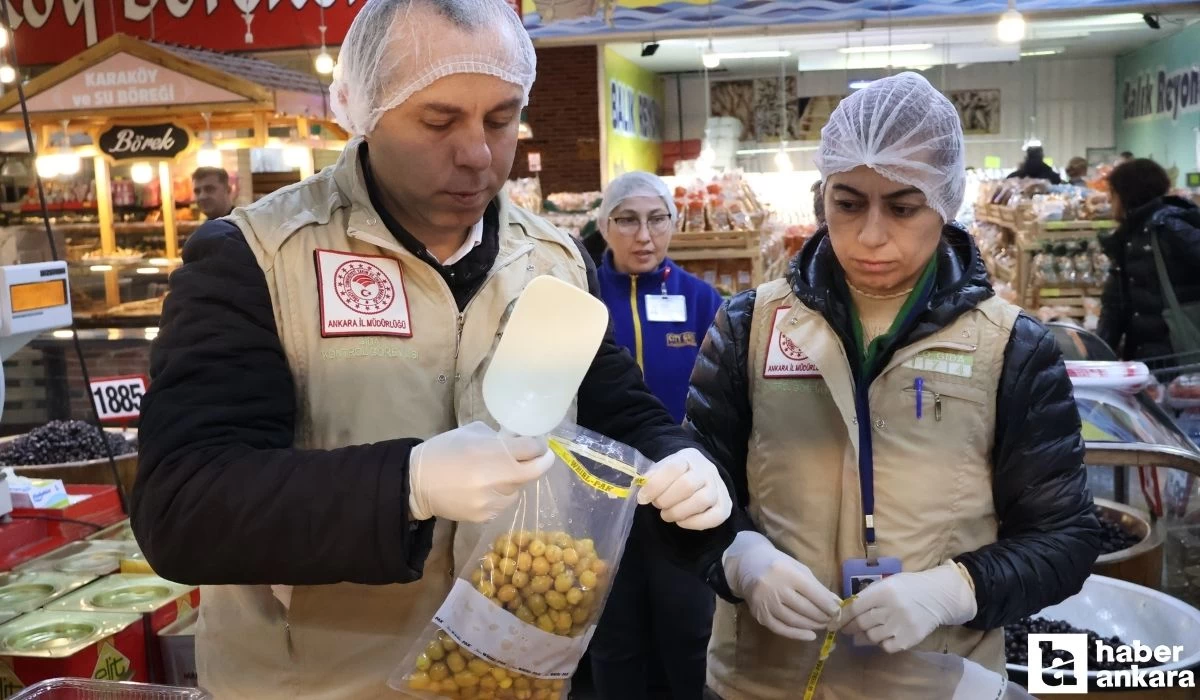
(342, 641)
(933, 489)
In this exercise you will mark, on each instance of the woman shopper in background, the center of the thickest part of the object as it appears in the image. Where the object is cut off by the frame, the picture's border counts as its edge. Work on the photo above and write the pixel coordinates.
(1131, 318)
(660, 313)
(883, 413)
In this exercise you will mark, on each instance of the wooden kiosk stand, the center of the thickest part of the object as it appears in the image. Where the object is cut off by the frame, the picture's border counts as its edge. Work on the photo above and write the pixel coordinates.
(154, 105)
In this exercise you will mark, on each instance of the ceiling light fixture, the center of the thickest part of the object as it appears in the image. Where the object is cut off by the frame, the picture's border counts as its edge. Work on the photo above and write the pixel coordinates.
(768, 151)
(887, 48)
(208, 156)
(859, 84)
(650, 49)
(710, 58)
(752, 54)
(141, 173)
(1151, 21)
(296, 157)
(1011, 27)
(1040, 52)
(324, 61)
(68, 162)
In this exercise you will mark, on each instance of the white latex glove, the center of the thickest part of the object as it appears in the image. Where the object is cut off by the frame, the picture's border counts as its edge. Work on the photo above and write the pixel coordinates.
(900, 611)
(472, 473)
(688, 489)
(783, 595)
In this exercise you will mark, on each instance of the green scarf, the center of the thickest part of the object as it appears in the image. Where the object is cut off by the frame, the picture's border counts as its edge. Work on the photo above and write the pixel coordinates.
(877, 347)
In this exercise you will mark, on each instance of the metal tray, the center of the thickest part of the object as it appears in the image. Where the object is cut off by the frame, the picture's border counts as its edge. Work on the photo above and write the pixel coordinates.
(81, 689)
(98, 557)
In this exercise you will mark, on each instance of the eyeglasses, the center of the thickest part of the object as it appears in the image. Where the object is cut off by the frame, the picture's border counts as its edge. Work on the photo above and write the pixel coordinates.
(656, 224)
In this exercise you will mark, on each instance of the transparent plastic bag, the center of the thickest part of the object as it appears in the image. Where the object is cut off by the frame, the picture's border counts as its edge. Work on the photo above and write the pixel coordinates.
(526, 602)
(1085, 275)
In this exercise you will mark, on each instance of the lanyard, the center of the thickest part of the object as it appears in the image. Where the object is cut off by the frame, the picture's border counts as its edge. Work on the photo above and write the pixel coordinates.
(866, 452)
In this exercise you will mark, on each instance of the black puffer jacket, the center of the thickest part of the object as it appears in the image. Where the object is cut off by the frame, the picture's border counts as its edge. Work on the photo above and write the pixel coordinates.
(1048, 537)
(1133, 300)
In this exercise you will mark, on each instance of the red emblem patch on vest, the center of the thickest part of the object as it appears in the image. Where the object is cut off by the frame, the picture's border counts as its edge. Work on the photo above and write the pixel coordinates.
(361, 295)
(785, 359)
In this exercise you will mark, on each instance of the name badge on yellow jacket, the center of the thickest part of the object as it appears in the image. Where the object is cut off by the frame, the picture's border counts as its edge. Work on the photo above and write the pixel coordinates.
(361, 295)
(785, 359)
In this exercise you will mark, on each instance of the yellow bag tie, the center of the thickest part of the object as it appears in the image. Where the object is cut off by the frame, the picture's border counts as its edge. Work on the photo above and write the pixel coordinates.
(826, 649)
(563, 448)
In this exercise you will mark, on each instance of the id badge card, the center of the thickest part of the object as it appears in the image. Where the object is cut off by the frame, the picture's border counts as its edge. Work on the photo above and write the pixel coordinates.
(857, 574)
(666, 307)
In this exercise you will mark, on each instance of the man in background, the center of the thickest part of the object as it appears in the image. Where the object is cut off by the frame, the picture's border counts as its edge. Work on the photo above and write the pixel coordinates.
(213, 193)
(1036, 167)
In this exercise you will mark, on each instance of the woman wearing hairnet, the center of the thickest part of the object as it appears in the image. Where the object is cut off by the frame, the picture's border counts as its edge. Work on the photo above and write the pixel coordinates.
(893, 430)
(656, 612)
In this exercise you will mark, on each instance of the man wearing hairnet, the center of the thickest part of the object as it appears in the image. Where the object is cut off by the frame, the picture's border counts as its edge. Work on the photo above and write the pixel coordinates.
(658, 615)
(315, 432)
(894, 431)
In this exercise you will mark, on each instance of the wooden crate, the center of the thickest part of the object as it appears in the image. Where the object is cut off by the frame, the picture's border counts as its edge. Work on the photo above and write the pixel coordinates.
(1067, 297)
(714, 239)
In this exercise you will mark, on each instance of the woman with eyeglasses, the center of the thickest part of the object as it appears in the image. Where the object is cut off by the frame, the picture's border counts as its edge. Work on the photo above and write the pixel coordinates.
(657, 612)
(900, 440)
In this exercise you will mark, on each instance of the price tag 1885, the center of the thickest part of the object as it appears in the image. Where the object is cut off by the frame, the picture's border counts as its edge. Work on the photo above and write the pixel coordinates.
(119, 398)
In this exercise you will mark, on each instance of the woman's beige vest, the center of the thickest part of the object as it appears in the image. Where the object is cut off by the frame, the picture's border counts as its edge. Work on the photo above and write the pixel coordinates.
(933, 478)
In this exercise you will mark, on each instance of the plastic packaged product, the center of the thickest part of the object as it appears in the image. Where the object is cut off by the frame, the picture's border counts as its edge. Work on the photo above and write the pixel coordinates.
(1085, 274)
(718, 214)
(1184, 392)
(1048, 208)
(1065, 262)
(1100, 264)
(740, 217)
(525, 193)
(524, 606)
(1045, 272)
(694, 216)
(1005, 291)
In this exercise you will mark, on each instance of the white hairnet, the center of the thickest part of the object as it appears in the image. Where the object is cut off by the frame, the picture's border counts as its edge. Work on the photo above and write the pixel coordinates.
(634, 184)
(396, 48)
(904, 129)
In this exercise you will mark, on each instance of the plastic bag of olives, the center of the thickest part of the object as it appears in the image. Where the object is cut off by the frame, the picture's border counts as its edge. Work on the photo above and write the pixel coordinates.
(523, 608)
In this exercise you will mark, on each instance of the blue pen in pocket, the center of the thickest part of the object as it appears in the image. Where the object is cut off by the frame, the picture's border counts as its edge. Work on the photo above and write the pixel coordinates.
(919, 388)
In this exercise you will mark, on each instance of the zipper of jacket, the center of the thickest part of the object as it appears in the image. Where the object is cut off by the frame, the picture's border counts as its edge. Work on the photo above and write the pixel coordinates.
(460, 318)
(862, 403)
(637, 322)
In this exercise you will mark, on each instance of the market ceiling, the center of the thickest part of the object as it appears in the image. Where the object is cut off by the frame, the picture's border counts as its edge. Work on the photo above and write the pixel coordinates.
(51, 31)
(909, 47)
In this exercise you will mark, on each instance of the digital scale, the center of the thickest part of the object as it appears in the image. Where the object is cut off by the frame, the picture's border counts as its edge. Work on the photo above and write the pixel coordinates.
(34, 298)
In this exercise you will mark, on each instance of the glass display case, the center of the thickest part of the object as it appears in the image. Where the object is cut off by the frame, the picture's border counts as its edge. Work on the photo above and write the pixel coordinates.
(1138, 454)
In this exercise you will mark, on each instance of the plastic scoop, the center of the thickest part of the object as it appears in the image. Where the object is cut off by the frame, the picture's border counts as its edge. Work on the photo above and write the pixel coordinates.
(551, 338)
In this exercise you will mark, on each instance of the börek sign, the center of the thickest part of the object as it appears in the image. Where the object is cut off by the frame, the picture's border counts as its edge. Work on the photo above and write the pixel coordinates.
(144, 141)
